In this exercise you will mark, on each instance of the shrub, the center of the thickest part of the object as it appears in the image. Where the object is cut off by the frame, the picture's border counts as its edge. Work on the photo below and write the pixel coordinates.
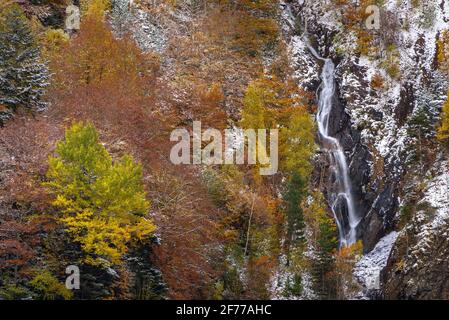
(47, 287)
(377, 82)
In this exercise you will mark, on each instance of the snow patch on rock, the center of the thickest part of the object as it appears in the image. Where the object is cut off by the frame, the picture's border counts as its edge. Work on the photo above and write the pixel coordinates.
(368, 269)
(437, 195)
(145, 30)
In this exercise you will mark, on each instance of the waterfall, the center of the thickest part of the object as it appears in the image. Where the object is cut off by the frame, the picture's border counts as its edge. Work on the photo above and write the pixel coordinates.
(340, 193)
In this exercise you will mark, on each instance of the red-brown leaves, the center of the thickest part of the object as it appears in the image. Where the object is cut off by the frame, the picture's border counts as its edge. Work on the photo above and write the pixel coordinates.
(188, 225)
(24, 148)
(18, 241)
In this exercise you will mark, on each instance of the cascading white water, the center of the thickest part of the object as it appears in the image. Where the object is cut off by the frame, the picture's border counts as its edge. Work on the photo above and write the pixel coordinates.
(342, 185)
(347, 220)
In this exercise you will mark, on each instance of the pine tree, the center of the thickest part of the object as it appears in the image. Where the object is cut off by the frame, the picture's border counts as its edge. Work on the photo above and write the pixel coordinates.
(324, 263)
(23, 77)
(325, 242)
(421, 123)
(147, 281)
(421, 127)
(296, 190)
(102, 204)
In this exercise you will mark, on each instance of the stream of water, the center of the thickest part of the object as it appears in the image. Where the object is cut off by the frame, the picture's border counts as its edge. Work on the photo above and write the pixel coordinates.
(340, 195)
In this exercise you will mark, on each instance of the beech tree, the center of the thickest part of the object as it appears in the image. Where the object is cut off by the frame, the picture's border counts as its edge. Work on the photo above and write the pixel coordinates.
(101, 204)
(272, 103)
(298, 142)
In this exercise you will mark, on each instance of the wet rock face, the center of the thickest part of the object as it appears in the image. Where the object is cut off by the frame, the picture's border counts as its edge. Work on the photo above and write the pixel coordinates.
(369, 197)
(358, 157)
(341, 210)
(416, 270)
(376, 200)
(406, 104)
(379, 219)
(372, 124)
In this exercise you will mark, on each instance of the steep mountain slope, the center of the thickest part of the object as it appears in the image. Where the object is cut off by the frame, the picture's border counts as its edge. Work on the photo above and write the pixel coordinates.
(359, 208)
(375, 124)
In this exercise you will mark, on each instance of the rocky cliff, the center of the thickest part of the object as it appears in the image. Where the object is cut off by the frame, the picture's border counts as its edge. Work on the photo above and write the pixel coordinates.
(376, 124)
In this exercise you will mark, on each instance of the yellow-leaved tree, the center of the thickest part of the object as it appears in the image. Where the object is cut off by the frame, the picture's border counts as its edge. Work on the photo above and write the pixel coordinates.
(270, 103)
(94, 7)
(101, 204)
(443, 51)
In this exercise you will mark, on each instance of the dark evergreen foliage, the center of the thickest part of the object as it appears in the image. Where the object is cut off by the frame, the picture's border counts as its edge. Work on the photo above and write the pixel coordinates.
(23, 75)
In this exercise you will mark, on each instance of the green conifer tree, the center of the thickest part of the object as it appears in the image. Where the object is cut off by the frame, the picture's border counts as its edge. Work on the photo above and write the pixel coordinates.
(23, 75)
(295, 193)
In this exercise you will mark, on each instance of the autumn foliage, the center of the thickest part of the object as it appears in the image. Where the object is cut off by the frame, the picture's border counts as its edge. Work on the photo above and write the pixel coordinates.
(443, 51)
(89, 181)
